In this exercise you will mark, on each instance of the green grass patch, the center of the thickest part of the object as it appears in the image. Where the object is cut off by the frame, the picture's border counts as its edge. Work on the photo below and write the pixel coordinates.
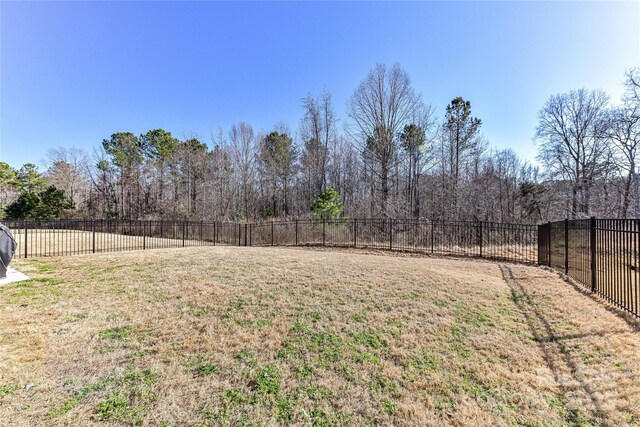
(285, 408)
(425, 362)
(118, 407)
(358, 317)
(267, 380)
(67, 406)
(388, 406)
(235, 397)
(120, 333)
(368, 358)
(369, 339)
(129, 399)
(40, 266)
(317, 393)
(37, 291)
(206, 369)
(7, 389)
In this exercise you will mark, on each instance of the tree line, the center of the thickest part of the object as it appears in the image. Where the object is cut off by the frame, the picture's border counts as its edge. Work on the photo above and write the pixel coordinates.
(391, 156)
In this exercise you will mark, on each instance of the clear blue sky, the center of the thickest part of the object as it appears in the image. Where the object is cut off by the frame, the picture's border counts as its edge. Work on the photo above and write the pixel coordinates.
(73, 73)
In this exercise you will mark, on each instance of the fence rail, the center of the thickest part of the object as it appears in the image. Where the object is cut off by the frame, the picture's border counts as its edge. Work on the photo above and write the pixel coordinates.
(601, 254)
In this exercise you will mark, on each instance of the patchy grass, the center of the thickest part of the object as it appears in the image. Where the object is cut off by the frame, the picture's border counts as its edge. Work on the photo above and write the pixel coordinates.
(7, 389)
(121, 333)
(260, 336)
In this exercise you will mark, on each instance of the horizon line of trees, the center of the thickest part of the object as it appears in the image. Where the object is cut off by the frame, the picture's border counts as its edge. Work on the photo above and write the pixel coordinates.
(392, 157)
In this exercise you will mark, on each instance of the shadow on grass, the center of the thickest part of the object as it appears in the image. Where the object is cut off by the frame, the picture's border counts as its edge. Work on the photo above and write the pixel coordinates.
(631, 319)
(555, 352)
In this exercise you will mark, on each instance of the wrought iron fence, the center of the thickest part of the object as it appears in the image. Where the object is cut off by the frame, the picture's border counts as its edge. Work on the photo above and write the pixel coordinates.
(511, 242)
(74, 237)
(601, 254)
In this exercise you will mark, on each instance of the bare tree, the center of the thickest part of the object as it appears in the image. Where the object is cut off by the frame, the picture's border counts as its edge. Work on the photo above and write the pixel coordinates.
(103, 197)
(381, 106)
(632, 85)
(623, 128)
(570, 131)
(624, 131)
(68, 170)
(243, 152)
(417, 142)
(318, 131)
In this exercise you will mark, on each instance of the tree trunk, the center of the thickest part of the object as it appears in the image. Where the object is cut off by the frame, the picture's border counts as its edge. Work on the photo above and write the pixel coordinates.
(626, 195)
(416, 197)
(574, 201)
(384, 177)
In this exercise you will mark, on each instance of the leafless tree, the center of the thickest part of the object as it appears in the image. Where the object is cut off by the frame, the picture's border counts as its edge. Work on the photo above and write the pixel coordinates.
(417, 144)
(243, 152)
(632, 85)
(318, 132)
(624, 130)
(570, 132)
(381, 106)
(68, 170)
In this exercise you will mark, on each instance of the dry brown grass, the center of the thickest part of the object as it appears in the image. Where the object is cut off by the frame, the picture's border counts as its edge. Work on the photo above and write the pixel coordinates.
(246, 336)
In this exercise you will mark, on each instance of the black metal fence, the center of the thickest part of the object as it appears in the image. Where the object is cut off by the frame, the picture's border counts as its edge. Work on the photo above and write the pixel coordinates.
(601, 254)
(74, 237)
(511, 242)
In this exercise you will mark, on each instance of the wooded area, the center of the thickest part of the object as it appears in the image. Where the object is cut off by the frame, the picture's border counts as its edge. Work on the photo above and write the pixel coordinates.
(390, 157)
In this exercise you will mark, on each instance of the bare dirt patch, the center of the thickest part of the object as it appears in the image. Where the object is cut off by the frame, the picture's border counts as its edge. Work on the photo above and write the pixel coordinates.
(244, 336)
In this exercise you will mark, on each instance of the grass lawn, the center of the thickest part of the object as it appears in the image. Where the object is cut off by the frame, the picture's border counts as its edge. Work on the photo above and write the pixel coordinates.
(274, 336)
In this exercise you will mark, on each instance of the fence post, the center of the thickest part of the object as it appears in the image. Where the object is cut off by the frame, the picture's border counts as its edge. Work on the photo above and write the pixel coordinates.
(246, 231)
(144, 235)
(566, 246)
(214, 233)
(184, 231)
(250, 235)
(93, 232)
(539, 242)
(26, 229)
(296, 231)
(480, 236)
(390, 234)
(549, 243)
(592, 244)
(323, 231)
(432, 238)
(355, 233)
(271, 232)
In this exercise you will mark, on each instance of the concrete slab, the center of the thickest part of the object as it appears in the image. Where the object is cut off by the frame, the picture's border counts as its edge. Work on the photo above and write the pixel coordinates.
(13, 276)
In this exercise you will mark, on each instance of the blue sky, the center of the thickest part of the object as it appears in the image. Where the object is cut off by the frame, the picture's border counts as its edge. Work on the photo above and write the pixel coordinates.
(73, 73)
